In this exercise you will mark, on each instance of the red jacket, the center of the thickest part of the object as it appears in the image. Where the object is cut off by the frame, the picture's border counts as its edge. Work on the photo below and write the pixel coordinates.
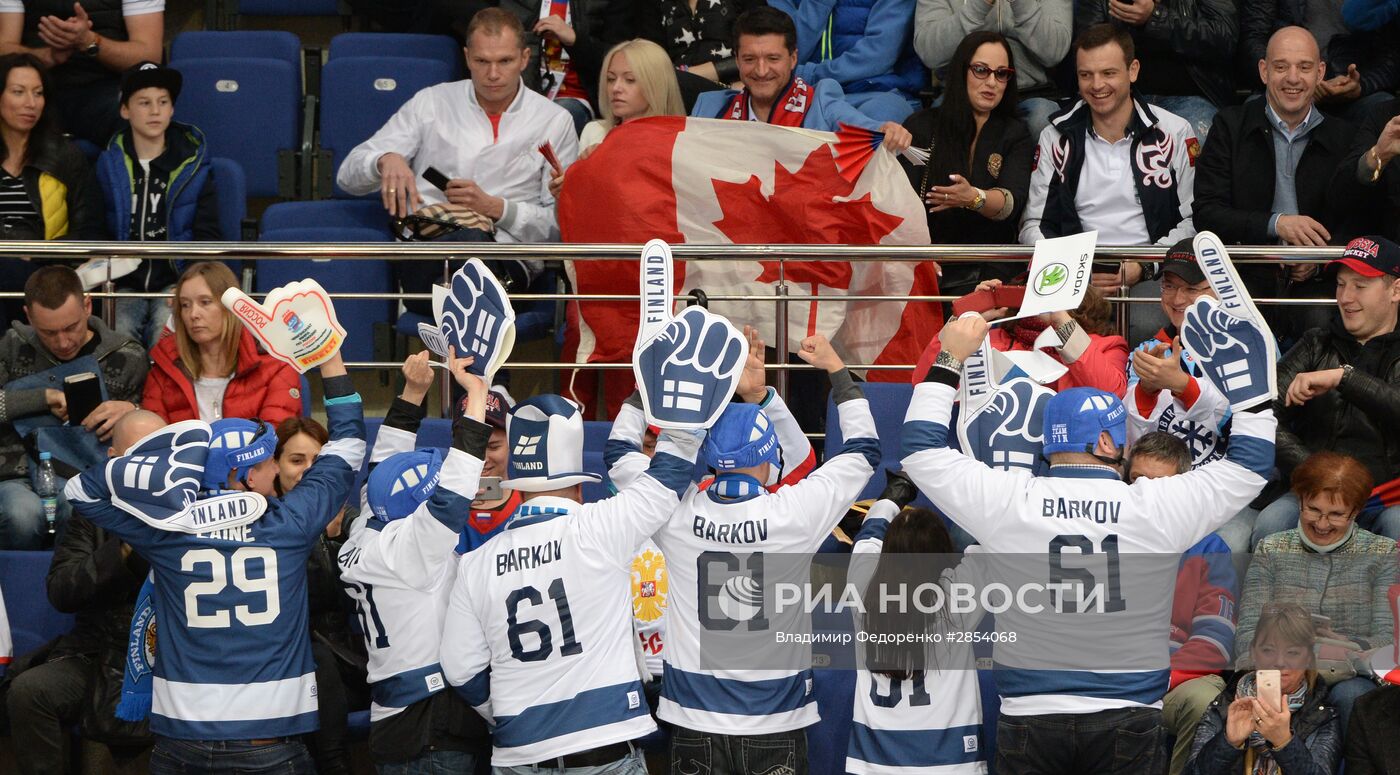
(1103, 365)
(1203, 611)
(262, 386)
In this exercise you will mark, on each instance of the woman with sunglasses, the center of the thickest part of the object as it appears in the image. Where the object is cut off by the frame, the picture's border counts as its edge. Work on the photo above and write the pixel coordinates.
(978, 174)
(210, 367)
(1333, 568)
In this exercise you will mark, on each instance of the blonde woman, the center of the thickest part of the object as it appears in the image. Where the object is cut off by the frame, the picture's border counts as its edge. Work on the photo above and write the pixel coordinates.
(210, 367)
(638, 80)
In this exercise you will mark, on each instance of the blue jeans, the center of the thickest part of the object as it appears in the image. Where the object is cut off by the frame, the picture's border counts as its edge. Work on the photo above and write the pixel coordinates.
(22, 524)
(701, 752)
(882, 106)
(631, 764)
(143, 320)
(197, 757)
(1196, 110)
(1344, 695)
(1110, 742)
(1036, 112)
(433, 763)
(1282, 515)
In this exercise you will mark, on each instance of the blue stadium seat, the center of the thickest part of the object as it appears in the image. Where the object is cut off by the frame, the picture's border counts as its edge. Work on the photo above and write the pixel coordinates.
(359, 94)
(33, 621)
(330, 215)
(241, 44)
(231, 191)
(440, 48)
(888, 403)
(595, 434)
(290, 8)
(249, 110)
(369, 276)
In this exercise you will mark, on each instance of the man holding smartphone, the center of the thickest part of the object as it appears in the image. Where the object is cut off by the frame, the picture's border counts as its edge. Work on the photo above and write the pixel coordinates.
(483, 135)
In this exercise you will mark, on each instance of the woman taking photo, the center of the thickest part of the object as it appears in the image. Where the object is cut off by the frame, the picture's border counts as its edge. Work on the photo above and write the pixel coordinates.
(1332, 568)
(979, 169)
(47, 189)
(210, 367)
(1242, 735)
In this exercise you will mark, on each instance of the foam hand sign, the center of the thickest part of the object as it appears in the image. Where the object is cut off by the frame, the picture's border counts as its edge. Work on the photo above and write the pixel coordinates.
(1226, 335)
(689, 369)
(1001, 420)
(158, 482)
(474, 316)
(296, 323)
(1236, 354)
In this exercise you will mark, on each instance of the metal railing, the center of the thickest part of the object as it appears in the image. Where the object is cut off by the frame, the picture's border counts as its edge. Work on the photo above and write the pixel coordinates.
(780, 296)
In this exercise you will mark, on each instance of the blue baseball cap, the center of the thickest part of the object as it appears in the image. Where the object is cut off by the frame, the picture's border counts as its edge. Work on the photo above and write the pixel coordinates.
(1074, 418)
(742, 437)
(402, 482)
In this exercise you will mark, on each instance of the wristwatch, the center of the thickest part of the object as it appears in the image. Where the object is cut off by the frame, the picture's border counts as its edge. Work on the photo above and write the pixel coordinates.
(1346, 374)
(93, 47)
(948, 361)
(978, 200)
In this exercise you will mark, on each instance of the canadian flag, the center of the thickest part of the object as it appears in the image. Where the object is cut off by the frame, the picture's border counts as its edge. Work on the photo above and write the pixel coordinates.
(728, 182)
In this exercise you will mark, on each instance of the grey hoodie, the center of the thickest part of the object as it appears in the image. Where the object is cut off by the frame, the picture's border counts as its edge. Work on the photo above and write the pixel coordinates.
(1040, 32)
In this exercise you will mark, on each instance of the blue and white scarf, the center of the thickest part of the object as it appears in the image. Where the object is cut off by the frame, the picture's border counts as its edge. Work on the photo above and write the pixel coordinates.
(135, 703)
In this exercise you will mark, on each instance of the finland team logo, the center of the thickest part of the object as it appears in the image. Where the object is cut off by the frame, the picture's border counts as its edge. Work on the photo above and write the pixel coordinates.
(1228, 337)
(474, 316)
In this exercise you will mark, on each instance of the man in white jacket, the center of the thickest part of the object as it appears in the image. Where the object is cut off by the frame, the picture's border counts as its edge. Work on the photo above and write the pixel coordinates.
(483, 135)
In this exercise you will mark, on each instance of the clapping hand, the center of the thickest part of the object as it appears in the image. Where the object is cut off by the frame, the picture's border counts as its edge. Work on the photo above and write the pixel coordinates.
(753, 381)
(1159, 368)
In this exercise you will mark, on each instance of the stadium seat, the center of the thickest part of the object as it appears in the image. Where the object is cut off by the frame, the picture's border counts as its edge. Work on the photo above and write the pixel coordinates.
(33, 620)
(249, 110)
(231, 190)
(360, 93)
(333, 223)
(270, 44)
(888, 403)
(290, 8)
(595, 435)
(440, 48)
(328, 215)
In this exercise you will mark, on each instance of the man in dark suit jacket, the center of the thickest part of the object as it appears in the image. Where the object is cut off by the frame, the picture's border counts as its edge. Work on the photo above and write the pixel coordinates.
(1239, 200)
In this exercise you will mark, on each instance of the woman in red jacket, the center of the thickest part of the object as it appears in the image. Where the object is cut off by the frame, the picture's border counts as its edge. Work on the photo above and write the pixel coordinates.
(1090, 362)
(211, 368)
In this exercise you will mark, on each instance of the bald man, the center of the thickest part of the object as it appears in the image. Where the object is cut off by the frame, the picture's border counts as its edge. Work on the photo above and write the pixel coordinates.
(131, 428)
(96, 576)
(1239, 200)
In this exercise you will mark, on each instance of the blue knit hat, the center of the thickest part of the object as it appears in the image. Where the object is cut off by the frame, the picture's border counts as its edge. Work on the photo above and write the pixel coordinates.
(1075, 417)
(236, 443)
(742, 437)
(402, 482)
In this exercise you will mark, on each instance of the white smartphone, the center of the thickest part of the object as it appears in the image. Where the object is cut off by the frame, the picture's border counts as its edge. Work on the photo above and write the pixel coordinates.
(490, 489)
(1270, 689)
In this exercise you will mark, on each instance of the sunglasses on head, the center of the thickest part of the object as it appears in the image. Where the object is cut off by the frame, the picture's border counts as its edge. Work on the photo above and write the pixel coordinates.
(981, 71)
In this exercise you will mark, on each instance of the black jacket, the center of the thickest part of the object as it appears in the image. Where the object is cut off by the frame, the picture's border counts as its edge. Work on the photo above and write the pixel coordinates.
(64, 192)
(1359, 418)
(1372, 747)
(1235, 175)
(598, 26)
(1375, 54)
(1001, 159)
(1373, 208)
(1199, 34)
(1316, 733)
(89, 578)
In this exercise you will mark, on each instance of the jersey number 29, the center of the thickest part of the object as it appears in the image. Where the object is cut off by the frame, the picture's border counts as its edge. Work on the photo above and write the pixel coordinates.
(220, 569)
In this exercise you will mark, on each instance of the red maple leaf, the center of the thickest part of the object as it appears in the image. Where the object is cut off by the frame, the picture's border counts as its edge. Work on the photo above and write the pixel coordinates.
(803, 209)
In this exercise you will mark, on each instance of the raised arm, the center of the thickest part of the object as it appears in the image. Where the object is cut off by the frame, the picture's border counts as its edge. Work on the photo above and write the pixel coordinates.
(329, 481)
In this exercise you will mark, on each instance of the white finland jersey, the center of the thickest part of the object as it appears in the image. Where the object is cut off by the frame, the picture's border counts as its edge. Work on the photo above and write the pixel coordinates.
(707, 542)
(538, 636)
(399, 574)
(1082, 525)
(927, 725)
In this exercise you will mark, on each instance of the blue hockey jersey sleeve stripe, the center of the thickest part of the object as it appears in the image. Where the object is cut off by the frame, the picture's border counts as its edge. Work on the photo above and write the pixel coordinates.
(916, 747)
(868, 447)
(615, 449)
(872, 528)
(477, 690)
(724, 695)
(1252, 452)
(919, 435)
(672, 471)
(586, 710)
(408, 687)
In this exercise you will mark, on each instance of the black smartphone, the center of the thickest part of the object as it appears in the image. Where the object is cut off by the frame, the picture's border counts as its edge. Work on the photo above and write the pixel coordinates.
(439, 180)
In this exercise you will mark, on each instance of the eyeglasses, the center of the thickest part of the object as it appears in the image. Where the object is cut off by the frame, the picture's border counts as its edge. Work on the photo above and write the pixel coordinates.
(1335, 517)
(981, 71)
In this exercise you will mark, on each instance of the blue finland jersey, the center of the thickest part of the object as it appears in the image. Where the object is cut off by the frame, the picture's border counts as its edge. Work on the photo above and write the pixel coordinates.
(233, 656)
